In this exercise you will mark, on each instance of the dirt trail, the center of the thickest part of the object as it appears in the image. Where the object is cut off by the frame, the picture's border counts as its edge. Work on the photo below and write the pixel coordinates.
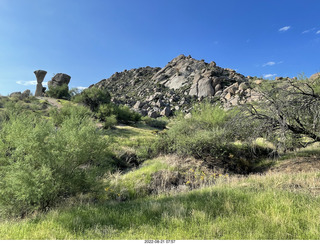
(54, 102)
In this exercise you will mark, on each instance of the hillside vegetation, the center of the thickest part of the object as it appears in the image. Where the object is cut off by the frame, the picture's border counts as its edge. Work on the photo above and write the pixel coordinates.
(93, 169)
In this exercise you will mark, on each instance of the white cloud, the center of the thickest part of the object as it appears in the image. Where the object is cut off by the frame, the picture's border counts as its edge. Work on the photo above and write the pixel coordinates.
(81, 87)
(269, 75)
(271, 63)
(318, 32)
(307, 31)
(285, 28)
(29, 83)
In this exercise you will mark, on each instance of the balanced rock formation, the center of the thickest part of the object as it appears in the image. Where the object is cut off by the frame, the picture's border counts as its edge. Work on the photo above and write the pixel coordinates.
(40, 74)
(162, 91)
(59, 80)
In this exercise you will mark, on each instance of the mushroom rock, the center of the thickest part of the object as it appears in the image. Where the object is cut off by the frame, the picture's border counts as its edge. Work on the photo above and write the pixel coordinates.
(40, 74)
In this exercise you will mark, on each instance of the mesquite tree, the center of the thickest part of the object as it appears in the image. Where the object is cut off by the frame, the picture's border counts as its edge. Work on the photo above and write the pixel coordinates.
(287, 114)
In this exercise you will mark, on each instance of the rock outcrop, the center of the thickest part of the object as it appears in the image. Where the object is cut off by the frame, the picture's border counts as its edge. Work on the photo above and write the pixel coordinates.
(26, 94)
(40, 74)
(205, 79)
(20, 95)
(315, 76)
(162, 91)
(15, 94)
(59, 80)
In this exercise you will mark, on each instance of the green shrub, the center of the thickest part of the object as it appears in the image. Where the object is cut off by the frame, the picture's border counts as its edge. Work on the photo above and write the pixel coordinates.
(184, 140)
(41, 165)
(126, 115)
(196, 134)
(156, 123)
(93, 98)
(59, 92)
(110, 121)
(106, 110)
(122, 113)
(27, 105)
(206, 135)
(208, 116)
(69, 111)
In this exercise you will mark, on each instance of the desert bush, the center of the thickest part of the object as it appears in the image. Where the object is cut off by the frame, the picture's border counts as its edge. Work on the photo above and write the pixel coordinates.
(287, 115)
(208, 116)
(110, 121)
(106, 110)
(69, 111)
(126, 115)
(40, 165)
(93, 98)
(156, 123)
(59, 92)
(190, 136)
(206, 135)
(13, 105)
(122, 113)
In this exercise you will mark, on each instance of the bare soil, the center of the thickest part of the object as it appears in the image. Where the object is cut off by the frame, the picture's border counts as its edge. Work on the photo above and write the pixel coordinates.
(299, 164)
(54, 102)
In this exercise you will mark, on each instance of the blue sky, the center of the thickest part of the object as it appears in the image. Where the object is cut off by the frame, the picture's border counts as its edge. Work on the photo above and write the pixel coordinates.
(92, 39)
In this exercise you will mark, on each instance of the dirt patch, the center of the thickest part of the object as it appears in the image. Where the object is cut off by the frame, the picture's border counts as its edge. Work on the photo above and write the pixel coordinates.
(300, 164)
(54, 102)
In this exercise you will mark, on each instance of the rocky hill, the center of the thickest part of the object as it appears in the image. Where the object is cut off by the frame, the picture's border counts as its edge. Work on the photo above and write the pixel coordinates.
(161, 91)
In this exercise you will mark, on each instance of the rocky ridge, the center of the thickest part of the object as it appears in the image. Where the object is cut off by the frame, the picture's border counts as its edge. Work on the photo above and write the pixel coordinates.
(161, 91)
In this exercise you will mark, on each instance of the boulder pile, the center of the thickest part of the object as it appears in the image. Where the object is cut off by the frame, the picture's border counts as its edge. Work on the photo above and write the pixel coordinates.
(162, 91)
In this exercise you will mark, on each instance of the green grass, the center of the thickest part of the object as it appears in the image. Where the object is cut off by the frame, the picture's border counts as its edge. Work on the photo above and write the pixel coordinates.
(135, 183)
(312, 150)
(257, 207)
(131, 139)
(125, 134)
(144, 171)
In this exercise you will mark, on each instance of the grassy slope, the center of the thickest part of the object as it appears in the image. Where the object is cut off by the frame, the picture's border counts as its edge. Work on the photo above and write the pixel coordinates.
(274, 206)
